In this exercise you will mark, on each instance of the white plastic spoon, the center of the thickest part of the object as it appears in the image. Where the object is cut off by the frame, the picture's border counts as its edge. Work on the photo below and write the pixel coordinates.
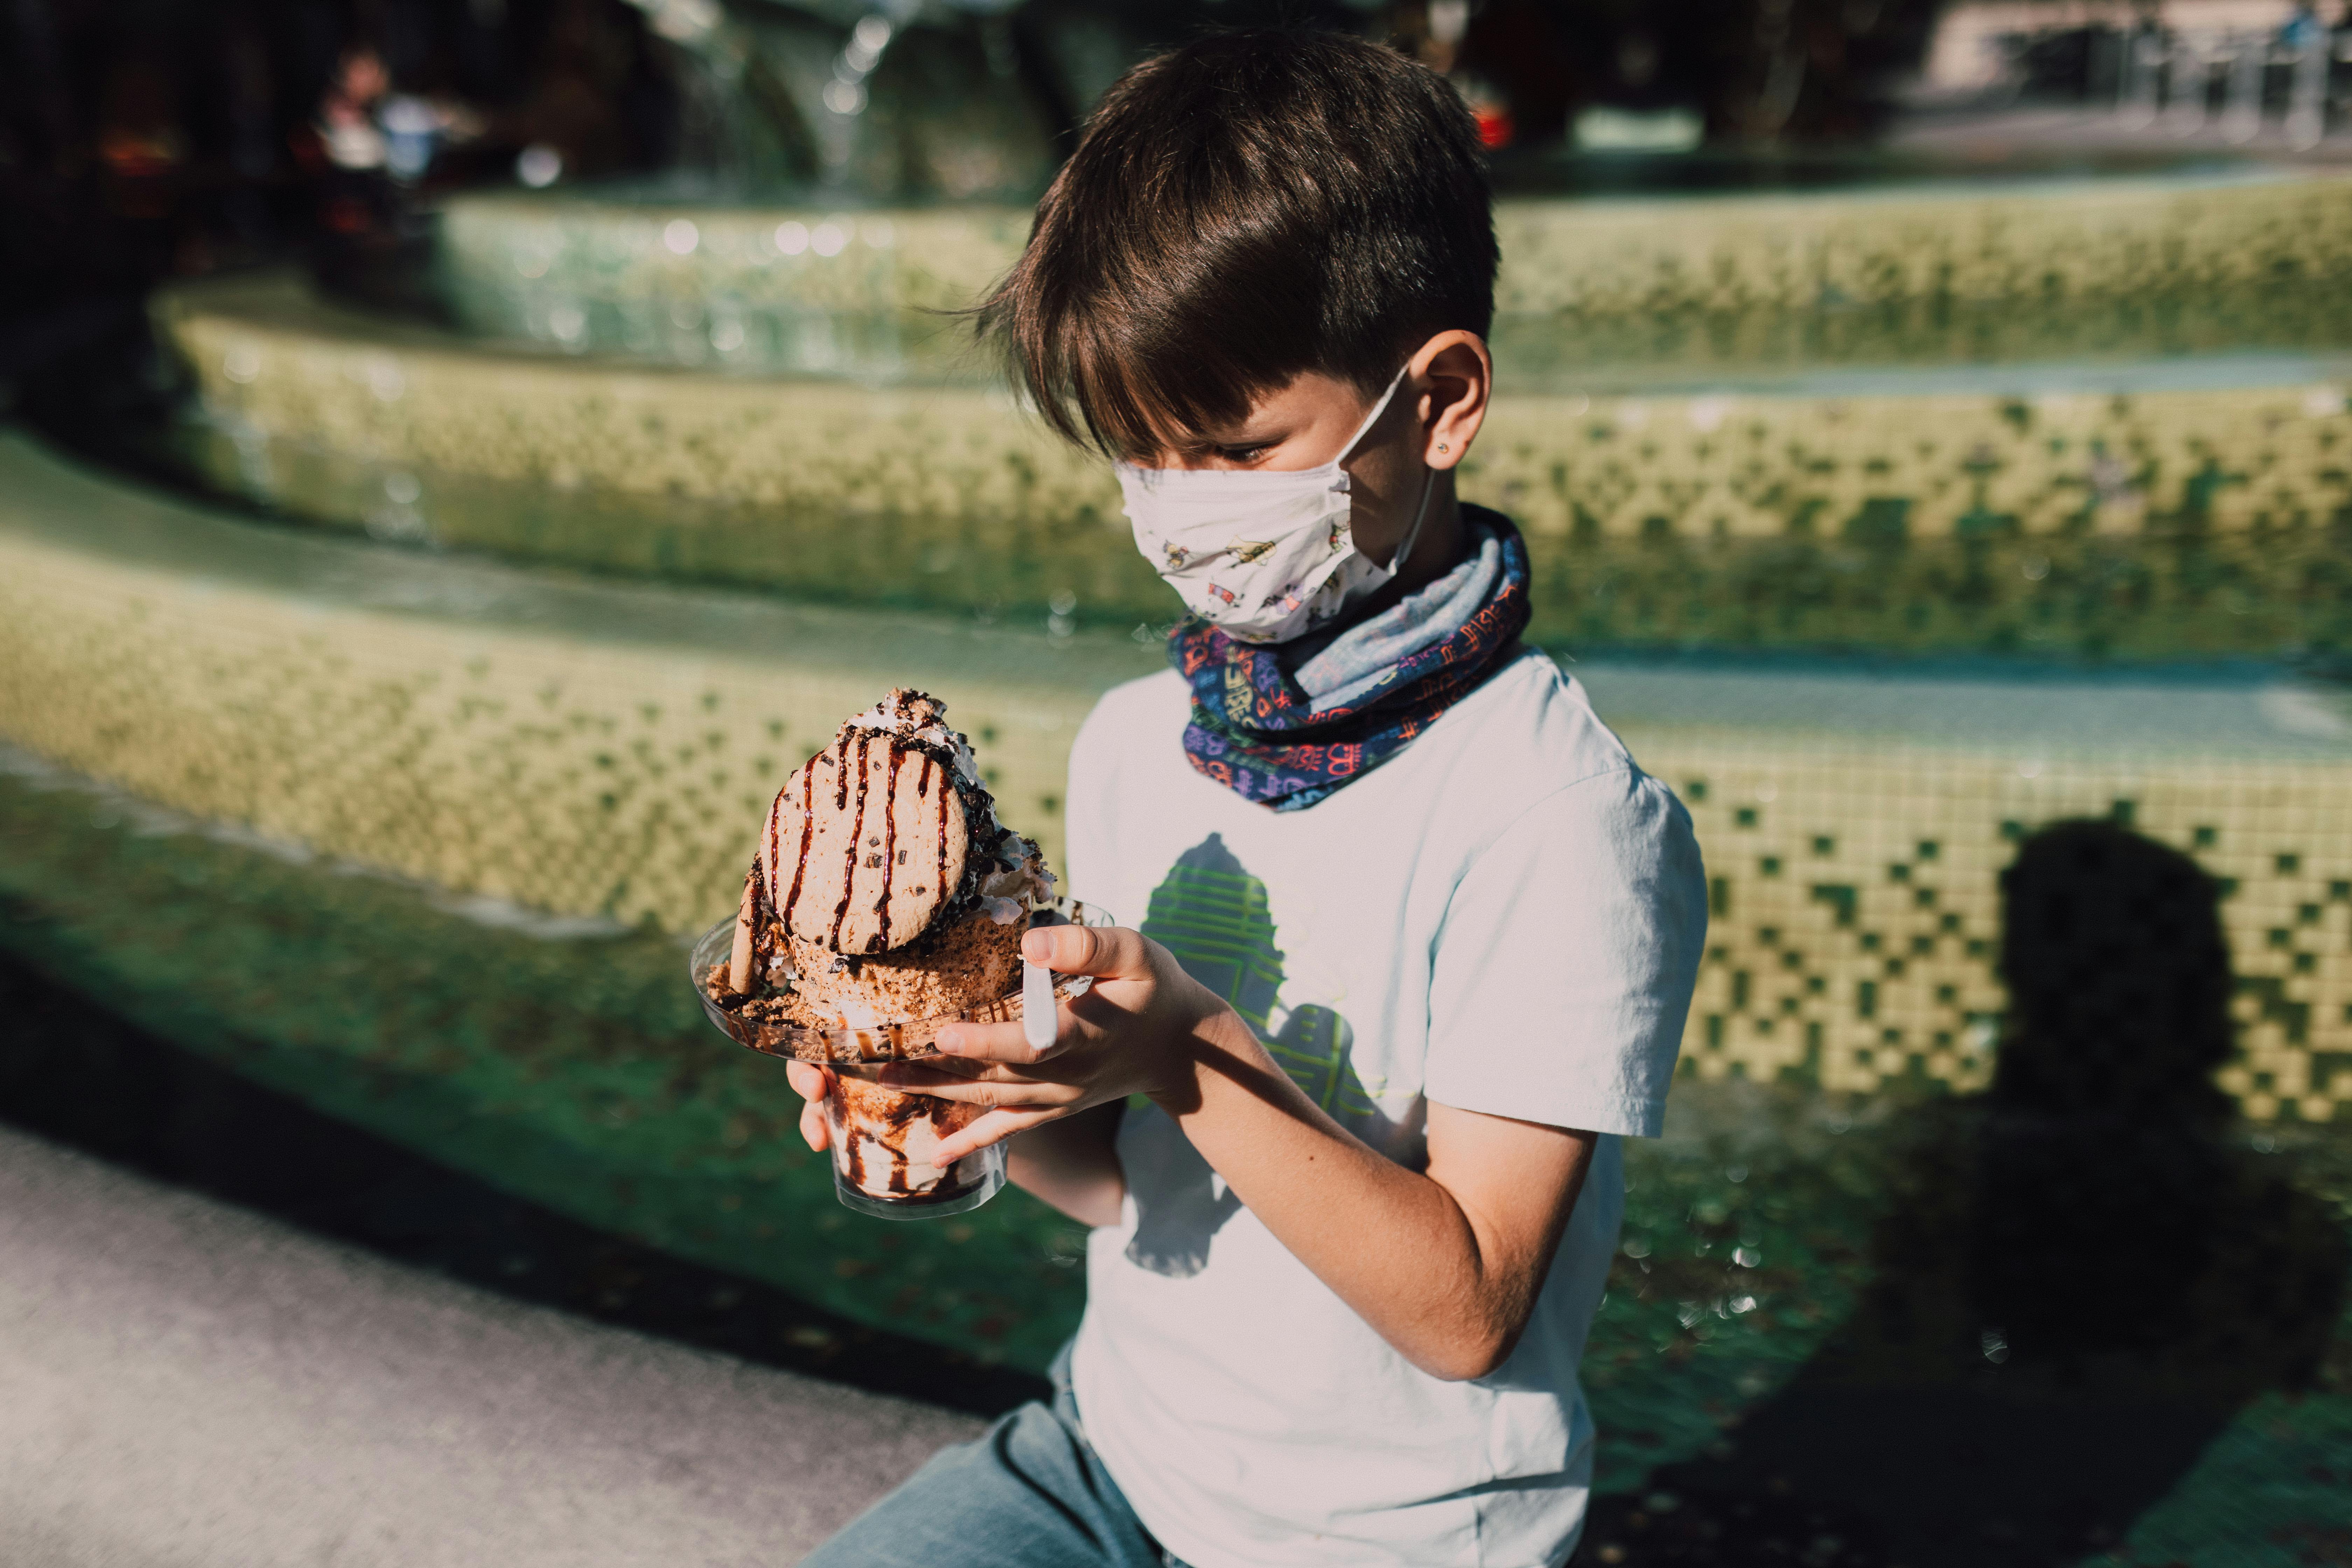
(1037, 1022)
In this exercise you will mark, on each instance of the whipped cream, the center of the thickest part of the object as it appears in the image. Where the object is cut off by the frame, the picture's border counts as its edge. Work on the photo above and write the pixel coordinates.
(1016, 881)
(879, 1171)
(911, 715)
(886, 1144)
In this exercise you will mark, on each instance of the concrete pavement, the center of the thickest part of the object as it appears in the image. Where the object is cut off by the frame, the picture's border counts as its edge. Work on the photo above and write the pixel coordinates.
(184, 1382)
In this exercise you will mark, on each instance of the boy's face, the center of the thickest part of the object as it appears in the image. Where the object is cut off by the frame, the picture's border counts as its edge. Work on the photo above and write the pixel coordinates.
(1306, 424)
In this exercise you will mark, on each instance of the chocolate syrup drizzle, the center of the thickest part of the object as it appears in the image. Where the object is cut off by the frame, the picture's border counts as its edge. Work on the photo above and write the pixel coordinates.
(758, 976)
(808, 830)
(923, 792)
(880, 940)
(950, 1182)
(943, 841)
(857, 831)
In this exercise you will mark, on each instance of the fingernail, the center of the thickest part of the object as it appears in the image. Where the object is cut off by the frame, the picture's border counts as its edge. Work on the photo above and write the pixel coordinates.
(950, 1041)
(1037, 947)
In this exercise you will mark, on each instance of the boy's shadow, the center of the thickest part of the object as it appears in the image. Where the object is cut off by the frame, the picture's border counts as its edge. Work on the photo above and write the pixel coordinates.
(2082, 1280)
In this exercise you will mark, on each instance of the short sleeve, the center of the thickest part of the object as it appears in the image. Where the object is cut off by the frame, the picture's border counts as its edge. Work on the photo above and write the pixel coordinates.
(1089, 833)
(1563, 972)
(1128, 724)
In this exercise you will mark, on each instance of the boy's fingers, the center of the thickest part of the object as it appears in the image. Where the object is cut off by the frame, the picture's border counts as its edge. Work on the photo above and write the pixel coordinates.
(992, 1043)
(935, 1076)
(993, 1128)
(812, 1126)
(987, 1092)
(955, 1067)
(807, 1079)
(1102, 950)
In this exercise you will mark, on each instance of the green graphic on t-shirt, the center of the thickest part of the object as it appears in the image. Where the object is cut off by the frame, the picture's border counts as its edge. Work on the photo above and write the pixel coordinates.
(1211, 914)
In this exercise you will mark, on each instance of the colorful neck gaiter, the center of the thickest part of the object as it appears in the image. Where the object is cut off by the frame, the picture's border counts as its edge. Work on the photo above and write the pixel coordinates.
(1287, 738)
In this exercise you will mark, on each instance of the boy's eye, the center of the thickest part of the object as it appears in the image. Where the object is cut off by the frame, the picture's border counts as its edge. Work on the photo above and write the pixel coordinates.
(1245, 455)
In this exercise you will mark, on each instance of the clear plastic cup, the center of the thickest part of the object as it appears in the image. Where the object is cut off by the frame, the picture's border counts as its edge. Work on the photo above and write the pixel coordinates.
(878, 1136)
(880, 1140)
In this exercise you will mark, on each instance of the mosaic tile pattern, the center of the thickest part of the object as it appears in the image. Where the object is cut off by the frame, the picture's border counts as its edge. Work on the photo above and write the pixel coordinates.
(549, 772)
(2090, 238)
(1690, 346)
(480, 752)
(1857, 905)
(2195, 519)
(621, 768)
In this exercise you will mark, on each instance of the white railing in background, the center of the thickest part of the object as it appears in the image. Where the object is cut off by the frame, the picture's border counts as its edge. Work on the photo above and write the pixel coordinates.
(2169, 81)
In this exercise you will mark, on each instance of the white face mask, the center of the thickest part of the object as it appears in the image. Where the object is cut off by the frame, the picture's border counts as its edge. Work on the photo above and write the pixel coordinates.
(1262, 556)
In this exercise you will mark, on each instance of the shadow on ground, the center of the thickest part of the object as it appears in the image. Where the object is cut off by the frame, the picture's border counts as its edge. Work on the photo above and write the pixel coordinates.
(2080, 1280)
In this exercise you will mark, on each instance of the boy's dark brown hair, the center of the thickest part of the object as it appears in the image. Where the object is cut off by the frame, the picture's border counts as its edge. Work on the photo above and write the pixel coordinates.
(1245, 208)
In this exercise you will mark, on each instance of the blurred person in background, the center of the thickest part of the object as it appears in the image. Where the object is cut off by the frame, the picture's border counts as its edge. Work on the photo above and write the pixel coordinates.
(348, 133)
(175, 138)
(356, 204)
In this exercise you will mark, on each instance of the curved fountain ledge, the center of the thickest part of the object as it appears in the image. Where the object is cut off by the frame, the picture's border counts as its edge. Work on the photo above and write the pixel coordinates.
(746, 283)
(2155, 507)
(576, 746)
(594, 749)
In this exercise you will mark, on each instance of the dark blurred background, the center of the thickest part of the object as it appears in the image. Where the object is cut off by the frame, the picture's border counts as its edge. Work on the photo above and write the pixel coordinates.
(147, 139)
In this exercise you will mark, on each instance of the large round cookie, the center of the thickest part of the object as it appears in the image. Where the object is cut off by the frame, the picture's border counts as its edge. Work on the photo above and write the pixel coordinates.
(864, 844)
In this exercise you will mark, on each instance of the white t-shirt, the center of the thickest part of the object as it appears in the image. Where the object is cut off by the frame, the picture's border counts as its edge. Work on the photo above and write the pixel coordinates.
(1507, 917)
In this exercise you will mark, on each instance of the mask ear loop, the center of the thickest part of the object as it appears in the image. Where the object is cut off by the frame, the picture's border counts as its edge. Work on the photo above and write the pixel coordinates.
(1380, 411)
(1403, 551)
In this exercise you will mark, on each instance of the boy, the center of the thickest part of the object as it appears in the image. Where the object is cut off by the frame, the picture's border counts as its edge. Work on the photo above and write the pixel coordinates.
(1416, 937)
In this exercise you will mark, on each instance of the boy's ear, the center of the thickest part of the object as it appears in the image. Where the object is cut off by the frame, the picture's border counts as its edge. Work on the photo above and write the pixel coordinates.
(1453, 374)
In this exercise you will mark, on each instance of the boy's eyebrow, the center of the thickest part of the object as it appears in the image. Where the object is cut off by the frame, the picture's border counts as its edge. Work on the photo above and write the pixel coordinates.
(1198, 446)
(1271, 427)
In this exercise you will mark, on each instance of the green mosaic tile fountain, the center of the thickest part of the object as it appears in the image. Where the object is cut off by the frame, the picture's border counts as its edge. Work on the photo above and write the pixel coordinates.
(415, 822)
(599, 750)
(2100, 418)
(2180, 519)
(1907, 273)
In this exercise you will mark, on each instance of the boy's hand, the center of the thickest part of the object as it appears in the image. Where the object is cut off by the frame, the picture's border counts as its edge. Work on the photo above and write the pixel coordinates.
(1139, 1030)
(1135, 1031)
(812, 1083)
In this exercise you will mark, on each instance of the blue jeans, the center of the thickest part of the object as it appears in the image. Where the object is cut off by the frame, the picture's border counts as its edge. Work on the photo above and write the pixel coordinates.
(1029, 1493)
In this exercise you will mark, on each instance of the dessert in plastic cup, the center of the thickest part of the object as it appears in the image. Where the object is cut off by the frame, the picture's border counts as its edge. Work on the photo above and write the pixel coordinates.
(885, 902)
(881, 1140)
(878, 1136)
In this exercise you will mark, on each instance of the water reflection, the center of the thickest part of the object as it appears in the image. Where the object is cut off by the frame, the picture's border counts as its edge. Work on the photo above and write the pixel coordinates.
(2085, 1273)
